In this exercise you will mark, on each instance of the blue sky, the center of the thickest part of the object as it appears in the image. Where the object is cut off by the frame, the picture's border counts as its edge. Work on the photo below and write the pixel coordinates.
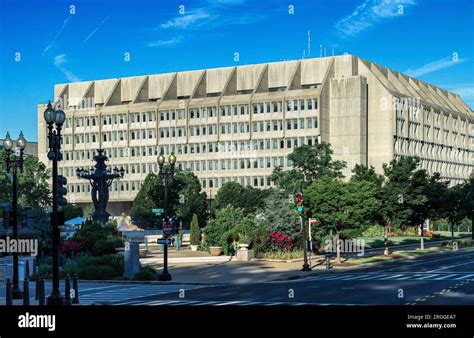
(47, 42)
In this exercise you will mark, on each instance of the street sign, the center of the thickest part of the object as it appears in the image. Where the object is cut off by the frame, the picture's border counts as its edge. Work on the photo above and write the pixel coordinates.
(313, 221)
(167, 229)
(157, 211)
(164, 241)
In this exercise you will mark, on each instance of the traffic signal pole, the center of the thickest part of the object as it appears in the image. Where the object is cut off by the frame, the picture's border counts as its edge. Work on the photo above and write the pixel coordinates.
(299, 208)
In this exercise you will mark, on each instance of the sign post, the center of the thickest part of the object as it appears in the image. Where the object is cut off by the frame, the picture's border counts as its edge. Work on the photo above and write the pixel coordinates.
(167, 232)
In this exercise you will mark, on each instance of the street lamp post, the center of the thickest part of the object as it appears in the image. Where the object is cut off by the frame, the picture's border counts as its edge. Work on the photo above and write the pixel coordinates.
(55, 119)
(13, 163)
(100, 180)
(471, 181)
(167, 177)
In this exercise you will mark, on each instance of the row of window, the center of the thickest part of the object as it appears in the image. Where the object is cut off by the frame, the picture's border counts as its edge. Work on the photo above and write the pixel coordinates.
(260, 181)
(232, 148)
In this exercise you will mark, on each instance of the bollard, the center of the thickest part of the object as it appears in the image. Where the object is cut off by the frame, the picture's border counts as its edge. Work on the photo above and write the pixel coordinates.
(27, 269)
(75, 300)
(41, 292)
(26, 293)
(328, 263)
(67, 290)
(37, 288)
(9, 299)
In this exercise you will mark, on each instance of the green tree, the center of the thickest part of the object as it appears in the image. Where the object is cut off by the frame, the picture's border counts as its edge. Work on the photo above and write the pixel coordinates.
(340, 205)
(190, 200)
(194, 236)
(457, 203)
(279, 214)
(72, 211)
(184, 199)
(364, 173)
(310, 162)
(146, 200)
(230, 226)
(33, 186)
(234, 194)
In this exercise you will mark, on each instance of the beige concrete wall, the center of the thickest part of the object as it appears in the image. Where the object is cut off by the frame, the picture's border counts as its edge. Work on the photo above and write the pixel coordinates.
(348, 120)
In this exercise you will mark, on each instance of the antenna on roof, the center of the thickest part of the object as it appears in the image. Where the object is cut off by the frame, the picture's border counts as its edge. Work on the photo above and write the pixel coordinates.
(304, 53)
(309, 43)
(321, 50)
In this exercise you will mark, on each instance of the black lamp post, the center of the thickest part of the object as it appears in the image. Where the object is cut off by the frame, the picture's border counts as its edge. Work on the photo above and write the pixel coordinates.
(55, 119)
(13, 163)
(100, 180)
(167, 177)
(471, 181)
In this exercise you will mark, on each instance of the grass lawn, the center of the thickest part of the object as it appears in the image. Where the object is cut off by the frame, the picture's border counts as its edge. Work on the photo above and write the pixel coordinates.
(401, 240)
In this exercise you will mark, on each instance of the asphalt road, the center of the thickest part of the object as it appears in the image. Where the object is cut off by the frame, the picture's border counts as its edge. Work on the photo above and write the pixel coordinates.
(437, 279)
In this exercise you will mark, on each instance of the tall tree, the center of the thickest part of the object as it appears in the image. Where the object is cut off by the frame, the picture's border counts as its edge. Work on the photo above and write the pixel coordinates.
(309, 163)
(340, 205)
(33, 185)
(248, 198)
(184, 199)
(278, 214)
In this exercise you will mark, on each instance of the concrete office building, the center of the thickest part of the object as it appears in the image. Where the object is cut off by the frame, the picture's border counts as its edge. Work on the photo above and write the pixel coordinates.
(239, 123)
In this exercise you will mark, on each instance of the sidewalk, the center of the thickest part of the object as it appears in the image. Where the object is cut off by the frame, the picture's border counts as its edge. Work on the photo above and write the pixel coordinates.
(232, 272)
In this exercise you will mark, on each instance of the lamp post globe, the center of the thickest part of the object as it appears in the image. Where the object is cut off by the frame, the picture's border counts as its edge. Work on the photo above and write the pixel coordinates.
(8, 143)
(172, 159)
(59, 118)
(161, 160)
(49, 114)
(21, 142)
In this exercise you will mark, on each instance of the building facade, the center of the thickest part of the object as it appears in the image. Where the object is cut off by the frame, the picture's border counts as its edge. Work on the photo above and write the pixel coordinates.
(239, 123)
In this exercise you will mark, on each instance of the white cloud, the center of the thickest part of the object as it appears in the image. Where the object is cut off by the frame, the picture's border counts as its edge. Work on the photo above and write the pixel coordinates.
(58, 33)
(196, 18)
(434, 66)
(370, 13)
(59, 62)
(165, 43)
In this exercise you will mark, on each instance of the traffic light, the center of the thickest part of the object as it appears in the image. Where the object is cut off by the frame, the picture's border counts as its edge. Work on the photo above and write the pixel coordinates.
(62, 191)
(299, 202)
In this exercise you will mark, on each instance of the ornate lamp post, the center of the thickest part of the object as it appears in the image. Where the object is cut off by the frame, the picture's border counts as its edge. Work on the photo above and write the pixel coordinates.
(100, 180)
(13, 163)
(55, 120)
(167, 177)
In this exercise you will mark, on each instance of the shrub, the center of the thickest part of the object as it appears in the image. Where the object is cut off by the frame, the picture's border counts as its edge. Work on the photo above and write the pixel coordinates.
(194, 236)
(99, 239)
(281, 241)
(96, 267)
(374, 231)
(146, 273)
(410, 231)
(230, 226)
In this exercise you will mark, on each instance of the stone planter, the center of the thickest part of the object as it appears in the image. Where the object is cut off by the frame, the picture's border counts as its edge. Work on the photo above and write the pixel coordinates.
(215, 250)
(194, 247)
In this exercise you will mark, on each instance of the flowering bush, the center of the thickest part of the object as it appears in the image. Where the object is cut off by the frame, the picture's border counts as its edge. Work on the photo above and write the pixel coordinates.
(280, 240)
(70, 246)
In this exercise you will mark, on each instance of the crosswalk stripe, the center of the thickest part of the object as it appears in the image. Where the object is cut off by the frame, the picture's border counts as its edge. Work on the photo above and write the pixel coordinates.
(427, 276)
(446, 276)
(465, 276)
